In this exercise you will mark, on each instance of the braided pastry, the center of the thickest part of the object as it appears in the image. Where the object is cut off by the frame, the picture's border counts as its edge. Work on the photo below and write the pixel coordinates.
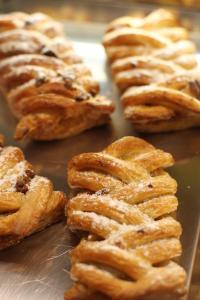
(28, 202)
(132, 238)
(48, 88)
(154, 64)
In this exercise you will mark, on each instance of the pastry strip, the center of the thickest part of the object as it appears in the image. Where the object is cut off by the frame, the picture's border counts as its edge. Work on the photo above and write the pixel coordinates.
(48, 88)
(153, 60)
(132, 236)
(28, 202)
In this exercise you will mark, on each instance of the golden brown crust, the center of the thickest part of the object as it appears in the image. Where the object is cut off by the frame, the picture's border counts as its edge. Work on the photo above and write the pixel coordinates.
(132, 238)
(48, 88)
(28, 203)
(153, 53)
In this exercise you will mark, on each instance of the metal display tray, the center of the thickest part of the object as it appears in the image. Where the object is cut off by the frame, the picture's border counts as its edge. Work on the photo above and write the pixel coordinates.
(38, 268)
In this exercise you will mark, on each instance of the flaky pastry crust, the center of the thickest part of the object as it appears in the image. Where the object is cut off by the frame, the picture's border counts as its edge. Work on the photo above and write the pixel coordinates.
(28, 202)
(125, 205)
(153, 64)
(48, 88)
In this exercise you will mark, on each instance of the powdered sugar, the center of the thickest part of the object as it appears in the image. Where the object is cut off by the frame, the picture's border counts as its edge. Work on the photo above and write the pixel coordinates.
(36, 181)
(8, 182)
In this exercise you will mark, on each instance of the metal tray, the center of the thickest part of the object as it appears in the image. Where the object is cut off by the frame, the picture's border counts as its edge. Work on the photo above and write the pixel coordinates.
(38, 268)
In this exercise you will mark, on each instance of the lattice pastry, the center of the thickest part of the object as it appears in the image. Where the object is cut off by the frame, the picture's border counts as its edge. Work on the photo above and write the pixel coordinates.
(152, 53)
(48, 88)
(159, 34)
(132, 237)
(28, 203)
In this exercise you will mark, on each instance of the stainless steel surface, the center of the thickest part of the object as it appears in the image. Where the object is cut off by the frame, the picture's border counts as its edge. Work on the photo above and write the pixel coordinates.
(38, 268)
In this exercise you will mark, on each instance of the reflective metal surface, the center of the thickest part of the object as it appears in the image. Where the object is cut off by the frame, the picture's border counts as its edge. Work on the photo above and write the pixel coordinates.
(38, 268)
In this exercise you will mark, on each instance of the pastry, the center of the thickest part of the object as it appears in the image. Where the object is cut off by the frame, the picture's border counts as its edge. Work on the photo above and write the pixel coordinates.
(47, 86)
(28, 202)
(125, 205)
(154, 66)
(166, 106)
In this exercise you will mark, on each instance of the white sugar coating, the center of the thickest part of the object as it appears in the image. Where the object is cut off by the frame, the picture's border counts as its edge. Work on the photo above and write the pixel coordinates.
(141, 186)
(112, 203)
(13, 46)
(8, 151)
(39, 71)
(98, 221)
(10, 178)
(36, 181)
(38, 17)
(26, 59)
(120, 206)
(128, 229)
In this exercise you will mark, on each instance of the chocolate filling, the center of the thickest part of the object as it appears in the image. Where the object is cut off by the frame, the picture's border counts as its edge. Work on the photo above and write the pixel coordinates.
(21, 186)
(39, 81)
(48, 52)
(82, 96)
(30, 173)
(141, 231)
(22, 182)
(93, 92)
(28, 22)
(133, 64)
(68, 79)
(150, 185)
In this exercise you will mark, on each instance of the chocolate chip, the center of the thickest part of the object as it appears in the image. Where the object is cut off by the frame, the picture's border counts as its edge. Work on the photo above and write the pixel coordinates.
(21, 186)
(68, 79)
(119, 244)
(82, 96)
(26, 179)
(195, 88)
(28, 23)
(103, 191)
(68, 82)
(141, 231)
(150, 185)
(39, 81)
(133, 64)
(48, 52)
(30, 173)
(93, 92)
(24, 190)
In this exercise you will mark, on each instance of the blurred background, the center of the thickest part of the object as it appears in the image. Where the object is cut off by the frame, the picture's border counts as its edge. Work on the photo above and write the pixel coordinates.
(98, 10)
(103, 11)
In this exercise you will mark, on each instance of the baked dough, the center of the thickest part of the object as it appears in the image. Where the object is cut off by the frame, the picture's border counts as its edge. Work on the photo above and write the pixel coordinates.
(28, 202)
(126, 210)
(47, 86)
(154, 65)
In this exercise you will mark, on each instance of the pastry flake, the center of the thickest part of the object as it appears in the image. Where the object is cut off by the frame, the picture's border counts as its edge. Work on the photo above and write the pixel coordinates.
(125, 206)
(28, 202)
(48, 88)
(154, 65)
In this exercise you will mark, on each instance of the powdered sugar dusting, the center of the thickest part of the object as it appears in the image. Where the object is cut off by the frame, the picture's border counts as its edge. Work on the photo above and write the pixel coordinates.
(8, 182)
(36, 182)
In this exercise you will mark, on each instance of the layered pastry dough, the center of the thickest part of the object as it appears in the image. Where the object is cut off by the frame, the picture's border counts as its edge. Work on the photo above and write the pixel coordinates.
(28, 203)
(126, 210)
(154, 64)
(48, 88)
